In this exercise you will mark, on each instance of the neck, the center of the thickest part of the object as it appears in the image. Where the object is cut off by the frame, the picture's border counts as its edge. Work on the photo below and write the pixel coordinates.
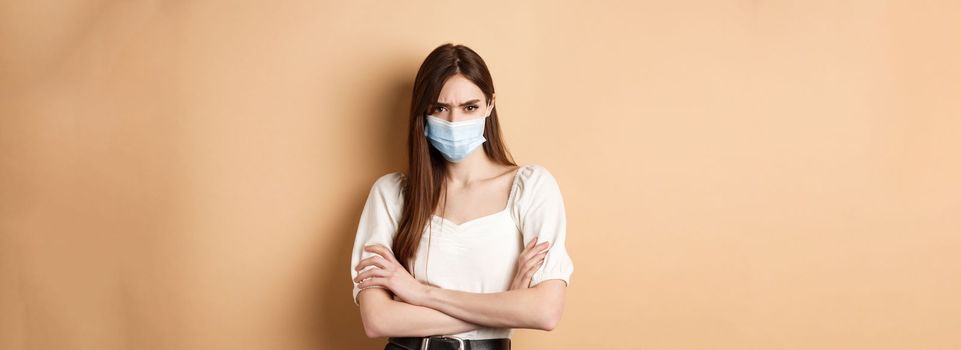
(474, 167)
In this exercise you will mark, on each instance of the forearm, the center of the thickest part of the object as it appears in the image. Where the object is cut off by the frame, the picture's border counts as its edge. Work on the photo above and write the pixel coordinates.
(385, 317)
(520, 308)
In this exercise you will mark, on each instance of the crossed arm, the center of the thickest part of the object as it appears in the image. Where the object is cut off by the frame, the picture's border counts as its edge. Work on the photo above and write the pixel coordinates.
(385, 317)
(426, 310)
(539, 307)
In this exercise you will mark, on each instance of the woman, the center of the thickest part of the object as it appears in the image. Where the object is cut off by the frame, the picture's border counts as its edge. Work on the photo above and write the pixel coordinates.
(465, 245)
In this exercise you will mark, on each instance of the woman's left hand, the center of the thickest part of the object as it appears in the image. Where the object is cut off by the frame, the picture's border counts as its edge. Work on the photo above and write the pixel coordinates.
(390, 274)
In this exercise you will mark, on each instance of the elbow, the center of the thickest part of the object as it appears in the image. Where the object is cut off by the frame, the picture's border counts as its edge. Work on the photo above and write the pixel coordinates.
(370, 331)
(375, 326)
(549, 317)
(550, 306)
(548, 322)
(372, 328)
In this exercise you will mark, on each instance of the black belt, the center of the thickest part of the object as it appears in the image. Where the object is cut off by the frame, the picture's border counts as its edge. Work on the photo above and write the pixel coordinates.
(440, 342)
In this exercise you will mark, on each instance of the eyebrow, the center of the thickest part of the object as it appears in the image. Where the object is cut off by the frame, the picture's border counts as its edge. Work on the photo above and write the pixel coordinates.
(461, 105)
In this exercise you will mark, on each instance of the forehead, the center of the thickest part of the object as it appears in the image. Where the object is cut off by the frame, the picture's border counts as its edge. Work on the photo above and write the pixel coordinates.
(458, 89)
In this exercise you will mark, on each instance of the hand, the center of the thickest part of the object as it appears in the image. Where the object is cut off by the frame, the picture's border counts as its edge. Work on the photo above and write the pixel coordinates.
(531, 258)
(390, 274)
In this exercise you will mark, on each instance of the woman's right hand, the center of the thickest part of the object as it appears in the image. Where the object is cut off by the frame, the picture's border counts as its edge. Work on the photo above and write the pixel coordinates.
(528, 262)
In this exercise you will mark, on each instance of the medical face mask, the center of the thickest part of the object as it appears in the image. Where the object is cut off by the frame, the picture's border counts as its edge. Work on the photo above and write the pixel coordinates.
(455, 140)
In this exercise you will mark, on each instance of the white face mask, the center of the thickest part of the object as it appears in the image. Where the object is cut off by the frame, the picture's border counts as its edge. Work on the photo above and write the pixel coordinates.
(455, 140)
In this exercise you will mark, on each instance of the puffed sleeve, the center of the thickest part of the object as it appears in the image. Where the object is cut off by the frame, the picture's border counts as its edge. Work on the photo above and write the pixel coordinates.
(378, 221)
(541, 209)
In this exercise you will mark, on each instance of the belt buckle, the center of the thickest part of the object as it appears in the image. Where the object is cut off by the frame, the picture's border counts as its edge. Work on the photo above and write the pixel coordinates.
(460, 342)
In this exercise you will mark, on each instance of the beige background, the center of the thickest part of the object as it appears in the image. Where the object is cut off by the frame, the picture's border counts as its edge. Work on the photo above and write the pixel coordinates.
(737, 174)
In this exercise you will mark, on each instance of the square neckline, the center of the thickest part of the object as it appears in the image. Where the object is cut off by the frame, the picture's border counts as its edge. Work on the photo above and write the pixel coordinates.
(506, 209)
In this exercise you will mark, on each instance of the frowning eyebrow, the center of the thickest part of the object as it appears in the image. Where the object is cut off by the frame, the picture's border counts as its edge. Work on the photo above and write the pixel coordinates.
(461, 105)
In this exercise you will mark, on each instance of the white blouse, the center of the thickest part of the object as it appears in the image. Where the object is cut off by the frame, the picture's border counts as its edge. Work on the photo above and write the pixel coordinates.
(478, 255)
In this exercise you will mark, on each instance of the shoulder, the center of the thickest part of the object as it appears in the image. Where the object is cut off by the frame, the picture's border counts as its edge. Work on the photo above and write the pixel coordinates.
(538, 196)
(389, 185)
(536, 181)
(390, 179)
(535, 175)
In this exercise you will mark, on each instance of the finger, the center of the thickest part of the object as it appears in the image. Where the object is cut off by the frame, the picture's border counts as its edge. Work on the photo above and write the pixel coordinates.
(526, 249)
(526, 258)
(368, 274)
(530, 251)
(533, 253)
(540, 246)
(543, 247)
(382, 250)
(531, 244)
(371, 273)
(530, 271)
(375, 260)
(525, 255)
(542, 253)
(535, 260)
(373, 282)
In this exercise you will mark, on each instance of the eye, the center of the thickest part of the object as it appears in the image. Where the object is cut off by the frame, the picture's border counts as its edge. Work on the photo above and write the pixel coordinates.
(472, 106)
(438, 108)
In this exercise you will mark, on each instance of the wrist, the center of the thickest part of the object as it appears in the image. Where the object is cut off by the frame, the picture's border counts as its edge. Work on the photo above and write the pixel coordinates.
(426, 295)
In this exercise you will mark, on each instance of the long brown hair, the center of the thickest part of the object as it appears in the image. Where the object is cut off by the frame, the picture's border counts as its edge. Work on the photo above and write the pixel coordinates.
(427, 168)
